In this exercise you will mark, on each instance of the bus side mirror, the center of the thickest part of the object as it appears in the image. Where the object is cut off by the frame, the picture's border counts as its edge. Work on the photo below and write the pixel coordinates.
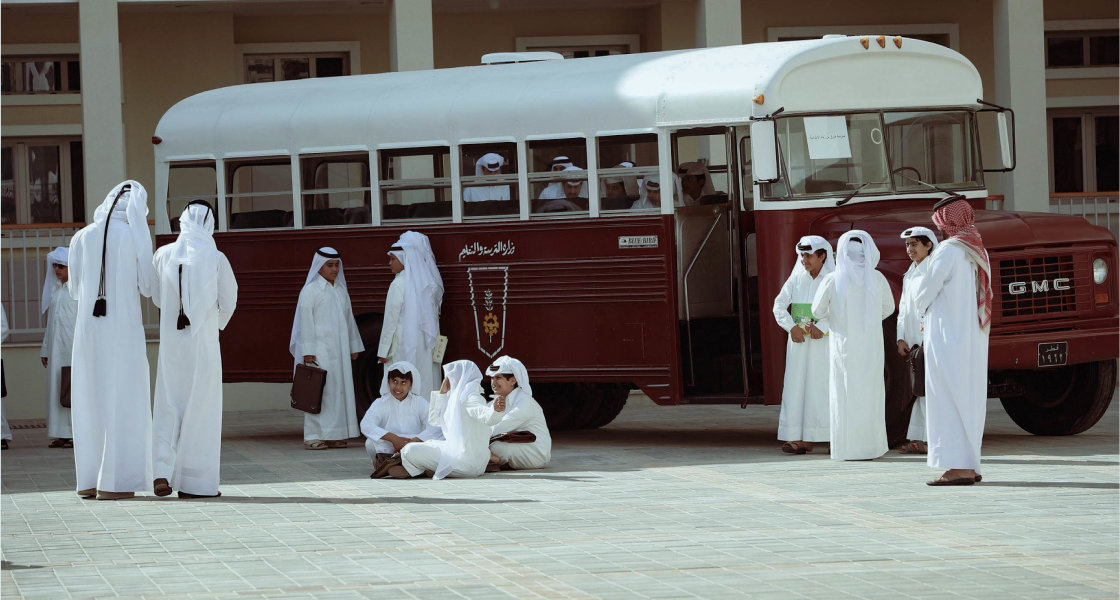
(764, 151)
(1005, 135)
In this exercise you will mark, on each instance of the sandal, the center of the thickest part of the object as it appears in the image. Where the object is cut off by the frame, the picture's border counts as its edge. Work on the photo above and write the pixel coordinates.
(314, 445)
(57, 443)
(336, 443)
(4, 444)
(796, 448)
(67, 442)
(915, 447)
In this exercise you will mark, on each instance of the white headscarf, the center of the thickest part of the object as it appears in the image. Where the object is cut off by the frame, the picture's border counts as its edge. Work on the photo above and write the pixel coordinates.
(132, 208)
(404, 367)
(855, 263)
(196, 252)
(488, 158)
(322, 255)
(423, 292)
(555, 190)
(465, 379)
(697, 168)
(59, 256)
(815, 242)
(508, 365)
(917, 231)
(643, 200)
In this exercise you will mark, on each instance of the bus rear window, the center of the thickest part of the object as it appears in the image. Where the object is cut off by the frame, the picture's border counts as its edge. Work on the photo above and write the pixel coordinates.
(490, 180)
(189, 182)
(624, 161)
(260, 193)
(415, 183)
(336, 190)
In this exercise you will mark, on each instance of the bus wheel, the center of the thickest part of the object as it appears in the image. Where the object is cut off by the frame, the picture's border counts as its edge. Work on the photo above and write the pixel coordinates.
(367, 369)
(1061, 401)
(559, 403)
(612, 398)
(899, 400)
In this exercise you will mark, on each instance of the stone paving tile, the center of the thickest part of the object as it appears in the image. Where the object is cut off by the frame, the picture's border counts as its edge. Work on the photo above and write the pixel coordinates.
(681, 502)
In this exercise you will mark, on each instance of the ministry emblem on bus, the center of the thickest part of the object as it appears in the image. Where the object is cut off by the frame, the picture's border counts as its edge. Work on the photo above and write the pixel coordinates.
(488, 289)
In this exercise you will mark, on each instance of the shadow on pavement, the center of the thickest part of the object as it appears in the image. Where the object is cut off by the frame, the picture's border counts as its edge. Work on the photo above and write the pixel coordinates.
(317, 500)
(1053, 484)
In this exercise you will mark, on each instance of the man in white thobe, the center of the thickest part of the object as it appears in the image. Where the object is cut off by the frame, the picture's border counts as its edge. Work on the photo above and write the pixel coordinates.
(197, 294)
(855, 298)
(696, 182)
(110, 389)
(804, 415)
(398, 417)
(510, 380)
(58, 343)
(324, 333)
(956, 298)
(488, 164)
(465, 418)
(410, 325)
(920, 241)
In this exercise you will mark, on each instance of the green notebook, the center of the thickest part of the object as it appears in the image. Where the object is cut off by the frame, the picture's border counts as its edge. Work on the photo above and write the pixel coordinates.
(802, 314)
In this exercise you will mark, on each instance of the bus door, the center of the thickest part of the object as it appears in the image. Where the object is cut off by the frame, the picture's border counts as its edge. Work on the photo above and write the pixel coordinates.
(754, 312)
(708, 284)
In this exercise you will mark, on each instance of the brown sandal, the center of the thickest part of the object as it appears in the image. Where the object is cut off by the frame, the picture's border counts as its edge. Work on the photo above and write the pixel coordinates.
(797, 447)
(915, 447)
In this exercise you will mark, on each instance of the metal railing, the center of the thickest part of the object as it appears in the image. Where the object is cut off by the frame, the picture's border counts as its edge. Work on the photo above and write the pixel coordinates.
(1098, 208)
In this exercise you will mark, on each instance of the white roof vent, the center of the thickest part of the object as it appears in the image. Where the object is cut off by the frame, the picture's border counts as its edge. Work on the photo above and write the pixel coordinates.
(502, 58)
(832, 36)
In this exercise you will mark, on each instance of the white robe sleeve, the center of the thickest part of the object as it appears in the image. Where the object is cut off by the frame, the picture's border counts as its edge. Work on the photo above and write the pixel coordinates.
(74, 283)
(781, 305)
(430, 432)
(435, 409)
(886, 298)
(48, 335)
(934, 280)
(157, 281)
(516, 419)
(374, 422)
(227, 291)
(307, 325)
(478, 409)
(822, 301)
(904, 309)
(355, 336)
(394, 308)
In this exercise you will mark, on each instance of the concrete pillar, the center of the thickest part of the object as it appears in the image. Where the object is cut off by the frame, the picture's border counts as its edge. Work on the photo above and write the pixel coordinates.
(1019, 43)
(410, 35)
(675, 25)
(102, 120)
(719, 23)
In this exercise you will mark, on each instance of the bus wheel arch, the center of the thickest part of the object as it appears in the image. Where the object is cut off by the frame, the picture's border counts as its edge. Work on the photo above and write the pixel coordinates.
(1060, 401)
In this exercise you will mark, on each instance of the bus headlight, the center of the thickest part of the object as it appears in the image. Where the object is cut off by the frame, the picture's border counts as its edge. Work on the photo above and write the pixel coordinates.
(1100, 271)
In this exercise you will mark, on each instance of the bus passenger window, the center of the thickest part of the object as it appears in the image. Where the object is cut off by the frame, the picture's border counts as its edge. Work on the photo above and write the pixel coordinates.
(187, 182)
(259, 193)
(336, 190)
(490, 180)
(558, 178)
(700, 157)
(415, 183)
(625, 161)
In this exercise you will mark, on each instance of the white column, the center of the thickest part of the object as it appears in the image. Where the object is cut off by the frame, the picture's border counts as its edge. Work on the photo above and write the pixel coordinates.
(1019, 42)
(718, 23)
(102, 121)
(410, 35)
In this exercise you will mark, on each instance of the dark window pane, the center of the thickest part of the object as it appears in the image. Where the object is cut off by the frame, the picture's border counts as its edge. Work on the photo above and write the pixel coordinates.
(1067, 155)
(1108, 153)
(1064, 51)
(8, 186)
(295, 68)
(258, 70)
(1103, 50)
(73, 76)
(329, 67)
(6, 79)
(77, 182)
(43, 184)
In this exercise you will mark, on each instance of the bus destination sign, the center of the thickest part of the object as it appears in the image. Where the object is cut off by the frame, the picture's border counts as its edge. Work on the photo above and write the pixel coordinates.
(637, 241)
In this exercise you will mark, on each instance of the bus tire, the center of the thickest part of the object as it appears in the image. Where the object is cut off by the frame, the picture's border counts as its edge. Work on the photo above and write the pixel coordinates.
(367, 369)
(1061, 401)
(559, 403)
(612, 399)
(899, 399)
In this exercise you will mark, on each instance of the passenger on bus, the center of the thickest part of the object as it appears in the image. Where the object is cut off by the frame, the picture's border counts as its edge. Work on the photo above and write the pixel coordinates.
(573, 186)
(696, 182)
(58, 344)
(410, 326)
(489, 164)
(855, 298)
(920, 242)
(465, 419)
(956, 298)
(110, 389)
(554, 189)
(398, 417)
(804, 414)
(325, 334)
(197, 294)
(650, 192)
(510, 380)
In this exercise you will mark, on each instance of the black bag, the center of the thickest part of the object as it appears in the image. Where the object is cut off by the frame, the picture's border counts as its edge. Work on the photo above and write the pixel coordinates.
(64, 387)
(307, 388)
(917, 360)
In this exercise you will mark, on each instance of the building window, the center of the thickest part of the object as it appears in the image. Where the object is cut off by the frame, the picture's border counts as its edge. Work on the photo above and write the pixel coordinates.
(1084, 149)
(259, 68)
(41, 75)
(581, 46)
(945, 34)
(1066, 49)
(42, 180)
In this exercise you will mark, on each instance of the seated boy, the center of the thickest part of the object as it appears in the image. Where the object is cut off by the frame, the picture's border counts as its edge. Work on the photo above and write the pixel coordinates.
(396, 418)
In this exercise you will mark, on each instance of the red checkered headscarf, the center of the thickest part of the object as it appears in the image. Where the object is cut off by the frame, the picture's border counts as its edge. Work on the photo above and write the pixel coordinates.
(957, 220)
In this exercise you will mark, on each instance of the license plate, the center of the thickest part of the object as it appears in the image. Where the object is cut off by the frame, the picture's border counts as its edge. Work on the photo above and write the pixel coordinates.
(1052, 354)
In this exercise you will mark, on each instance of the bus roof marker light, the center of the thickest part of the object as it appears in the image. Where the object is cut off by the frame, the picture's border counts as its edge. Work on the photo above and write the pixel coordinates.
(863, 41)
(156, 140)
(898, 41)
(882, 41)
(759, 98)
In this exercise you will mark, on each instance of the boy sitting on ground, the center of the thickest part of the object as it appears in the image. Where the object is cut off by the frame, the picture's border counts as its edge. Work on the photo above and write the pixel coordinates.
(396, 418)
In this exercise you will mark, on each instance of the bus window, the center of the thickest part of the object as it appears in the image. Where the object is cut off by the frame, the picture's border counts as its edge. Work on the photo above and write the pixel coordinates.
(700, 160)
(259, 193)
(490, 180)
(187, 182)
(830, 155)
(624, 160)
(558, 176)
(415, 183)
(336, 190)
(934, 147)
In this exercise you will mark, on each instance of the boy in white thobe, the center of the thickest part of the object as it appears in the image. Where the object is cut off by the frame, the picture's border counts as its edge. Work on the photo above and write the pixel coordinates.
(58, 343)
(510, 380)
(804, 415)
(398, 417)
(197, 294)
(956, 298)
(324, 333)
(920, 241)
(410, 326)
(110, 390)
(463, 415)
(855, 298)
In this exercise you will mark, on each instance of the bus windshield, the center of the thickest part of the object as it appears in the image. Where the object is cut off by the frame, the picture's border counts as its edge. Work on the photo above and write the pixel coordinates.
(876, 153)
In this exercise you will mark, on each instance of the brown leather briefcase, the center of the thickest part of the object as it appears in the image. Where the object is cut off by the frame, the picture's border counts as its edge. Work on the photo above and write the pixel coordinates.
(917, 360)
(307, 388)
(64, 387)
(515, 437)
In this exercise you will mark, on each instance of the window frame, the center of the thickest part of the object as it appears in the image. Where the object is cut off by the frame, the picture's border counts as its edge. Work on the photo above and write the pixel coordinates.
(229, 168)
(1088, 116)
(1071, 28)
(419, 149)
(350, 50)
(21, 177)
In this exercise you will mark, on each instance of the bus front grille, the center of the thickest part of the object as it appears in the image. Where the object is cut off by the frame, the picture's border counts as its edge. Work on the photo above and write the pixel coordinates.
(1042, 285)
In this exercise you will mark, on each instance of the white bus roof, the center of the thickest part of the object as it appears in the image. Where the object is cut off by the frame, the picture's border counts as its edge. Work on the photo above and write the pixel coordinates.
(584, 96)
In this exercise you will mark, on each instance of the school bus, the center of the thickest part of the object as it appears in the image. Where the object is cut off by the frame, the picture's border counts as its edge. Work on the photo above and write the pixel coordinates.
(602, 290)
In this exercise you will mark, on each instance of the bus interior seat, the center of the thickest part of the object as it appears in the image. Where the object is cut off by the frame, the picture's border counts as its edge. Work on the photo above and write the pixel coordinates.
(717, 198)
(430, 210)
(553, 205)
(324, 216)
(490, 207)
(616, 203)
(358, 215)
(820, 186)
(259, 219)
(394, 211)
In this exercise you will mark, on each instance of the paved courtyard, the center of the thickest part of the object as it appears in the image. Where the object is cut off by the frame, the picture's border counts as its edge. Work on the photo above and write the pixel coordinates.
(683, 502)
